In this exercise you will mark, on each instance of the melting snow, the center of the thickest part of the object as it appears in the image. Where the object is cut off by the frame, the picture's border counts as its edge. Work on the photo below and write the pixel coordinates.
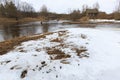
(73, 54)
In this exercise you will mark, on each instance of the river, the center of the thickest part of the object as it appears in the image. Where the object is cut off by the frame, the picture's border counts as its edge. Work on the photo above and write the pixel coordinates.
(10, 31)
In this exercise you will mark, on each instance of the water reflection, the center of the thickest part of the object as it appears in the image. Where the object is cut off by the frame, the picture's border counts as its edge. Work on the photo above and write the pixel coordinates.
(9, 31)
(26, 31)
(45, 27)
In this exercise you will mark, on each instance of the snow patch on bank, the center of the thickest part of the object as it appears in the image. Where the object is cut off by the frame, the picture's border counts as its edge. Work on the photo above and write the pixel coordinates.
(104, 20)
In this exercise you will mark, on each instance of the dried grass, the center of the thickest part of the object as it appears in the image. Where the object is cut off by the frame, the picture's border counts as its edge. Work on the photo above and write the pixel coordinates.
(57, 54)
(8, 45)
(57, 40)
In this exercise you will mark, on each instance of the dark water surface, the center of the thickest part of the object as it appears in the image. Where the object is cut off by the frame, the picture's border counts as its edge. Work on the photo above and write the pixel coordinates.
(9, 31)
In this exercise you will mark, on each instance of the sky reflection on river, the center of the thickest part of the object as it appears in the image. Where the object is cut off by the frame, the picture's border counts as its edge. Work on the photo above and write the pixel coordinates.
(9, 31)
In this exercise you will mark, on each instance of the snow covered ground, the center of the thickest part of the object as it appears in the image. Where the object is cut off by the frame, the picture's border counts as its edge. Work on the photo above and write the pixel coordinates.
(73, 54)
(104, 20)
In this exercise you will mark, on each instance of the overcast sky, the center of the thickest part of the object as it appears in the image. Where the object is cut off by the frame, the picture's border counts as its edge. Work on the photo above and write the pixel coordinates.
(64, 6)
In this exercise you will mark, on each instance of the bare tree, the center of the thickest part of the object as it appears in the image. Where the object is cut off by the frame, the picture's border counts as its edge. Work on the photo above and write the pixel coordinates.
(16, 9)
(84, 7)
(44, 9)
(44, 12)
(117, 11)
(118, 6)
(96, 6)
(2, 10)
(75, 14)
(25, 7)
(10, 10)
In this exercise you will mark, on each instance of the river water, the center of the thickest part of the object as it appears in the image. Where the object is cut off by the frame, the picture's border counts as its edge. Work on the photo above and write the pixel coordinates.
(10, 31)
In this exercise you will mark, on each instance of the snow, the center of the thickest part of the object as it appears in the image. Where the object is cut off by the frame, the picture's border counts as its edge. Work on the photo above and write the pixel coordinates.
(101, 63)
(104, 20)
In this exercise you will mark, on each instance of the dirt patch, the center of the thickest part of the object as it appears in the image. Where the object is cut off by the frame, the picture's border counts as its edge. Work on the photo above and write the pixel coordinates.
(5, 62)
(83, 36)
(21, 50)
(38, 50)
(15, 67)
(23, 74)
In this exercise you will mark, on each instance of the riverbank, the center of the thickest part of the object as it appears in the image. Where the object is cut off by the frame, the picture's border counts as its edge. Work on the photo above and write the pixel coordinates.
(23, 20)
(90, 21)
(8, 45)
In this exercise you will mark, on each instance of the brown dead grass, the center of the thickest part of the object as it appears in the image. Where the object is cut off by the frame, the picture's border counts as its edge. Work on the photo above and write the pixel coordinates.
(7, 20)
(28, 20)
(57, 54)
(23, 20)
(79, 51)
(62, 56)
(54, 51)
(8, 45)
(56, 40)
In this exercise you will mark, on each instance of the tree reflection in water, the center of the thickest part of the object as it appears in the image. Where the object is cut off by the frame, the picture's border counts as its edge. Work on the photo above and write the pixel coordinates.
(11, 31)
(45, 27)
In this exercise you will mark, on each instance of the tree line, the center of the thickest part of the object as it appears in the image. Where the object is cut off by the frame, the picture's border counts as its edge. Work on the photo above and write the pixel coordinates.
(11, 9)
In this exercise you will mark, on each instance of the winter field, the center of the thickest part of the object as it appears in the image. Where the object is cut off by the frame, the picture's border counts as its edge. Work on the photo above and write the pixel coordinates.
(71, 54)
